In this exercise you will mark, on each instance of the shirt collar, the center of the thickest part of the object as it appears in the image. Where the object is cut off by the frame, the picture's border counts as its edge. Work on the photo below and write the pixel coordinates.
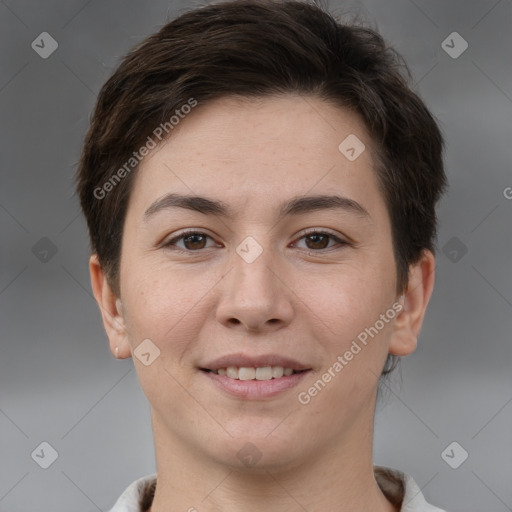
(396, 486)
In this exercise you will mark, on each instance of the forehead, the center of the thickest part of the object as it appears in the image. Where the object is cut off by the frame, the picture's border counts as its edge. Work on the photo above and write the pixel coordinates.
(259, 150)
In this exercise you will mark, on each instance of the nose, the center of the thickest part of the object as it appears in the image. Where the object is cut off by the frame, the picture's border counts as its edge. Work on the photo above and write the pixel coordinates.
(255, 296)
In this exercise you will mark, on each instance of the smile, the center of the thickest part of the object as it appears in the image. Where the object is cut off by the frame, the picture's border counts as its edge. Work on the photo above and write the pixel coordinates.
(254, 376)
(260, 373)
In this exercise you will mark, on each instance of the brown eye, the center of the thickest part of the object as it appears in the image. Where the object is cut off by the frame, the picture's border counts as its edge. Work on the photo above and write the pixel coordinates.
(318, 241)
(191, 241)
(194, 241)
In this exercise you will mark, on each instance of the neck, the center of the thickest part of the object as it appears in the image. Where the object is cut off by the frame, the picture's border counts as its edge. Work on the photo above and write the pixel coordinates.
(339, 479)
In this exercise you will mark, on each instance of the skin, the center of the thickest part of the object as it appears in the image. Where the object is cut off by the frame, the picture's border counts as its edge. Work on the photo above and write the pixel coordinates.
(302, 297)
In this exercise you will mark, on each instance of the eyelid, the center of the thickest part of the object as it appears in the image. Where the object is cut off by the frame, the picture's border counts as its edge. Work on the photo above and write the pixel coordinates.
(322, 231)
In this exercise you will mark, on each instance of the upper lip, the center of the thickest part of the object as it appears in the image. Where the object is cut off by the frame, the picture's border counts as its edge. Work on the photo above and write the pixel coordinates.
(244, 360)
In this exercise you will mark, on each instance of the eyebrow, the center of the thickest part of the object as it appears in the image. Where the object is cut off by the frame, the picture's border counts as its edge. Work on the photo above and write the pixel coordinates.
(297, 206)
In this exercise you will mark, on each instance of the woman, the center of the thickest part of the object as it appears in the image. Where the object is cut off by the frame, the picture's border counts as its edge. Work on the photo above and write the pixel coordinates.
(260, 184)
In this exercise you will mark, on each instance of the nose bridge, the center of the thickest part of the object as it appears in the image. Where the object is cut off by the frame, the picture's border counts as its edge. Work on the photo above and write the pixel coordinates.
(251, 274)
(253, 295)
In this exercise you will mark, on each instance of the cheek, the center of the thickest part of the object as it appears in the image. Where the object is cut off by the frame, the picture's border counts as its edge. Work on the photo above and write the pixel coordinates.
(165, 305)
(348, 299)
(356, 339)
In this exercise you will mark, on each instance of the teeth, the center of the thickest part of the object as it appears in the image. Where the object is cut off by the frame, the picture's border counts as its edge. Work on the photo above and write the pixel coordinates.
(232, 372)
(246, 373)
(277, 372)
(262, 373)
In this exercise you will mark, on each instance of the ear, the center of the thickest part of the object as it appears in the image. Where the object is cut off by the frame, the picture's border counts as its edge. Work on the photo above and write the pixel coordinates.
(111, 310)
(409, 320)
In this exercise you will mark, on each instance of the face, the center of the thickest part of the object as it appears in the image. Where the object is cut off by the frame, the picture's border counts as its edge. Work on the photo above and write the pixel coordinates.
(259, 275)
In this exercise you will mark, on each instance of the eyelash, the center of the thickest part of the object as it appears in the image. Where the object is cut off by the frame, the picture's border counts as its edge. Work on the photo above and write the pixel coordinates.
(171, 243)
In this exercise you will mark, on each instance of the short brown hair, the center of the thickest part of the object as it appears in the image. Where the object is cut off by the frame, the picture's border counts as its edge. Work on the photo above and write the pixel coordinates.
(257, 48)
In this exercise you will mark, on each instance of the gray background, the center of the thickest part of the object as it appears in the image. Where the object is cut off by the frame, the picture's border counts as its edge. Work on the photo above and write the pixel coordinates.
(58, 381)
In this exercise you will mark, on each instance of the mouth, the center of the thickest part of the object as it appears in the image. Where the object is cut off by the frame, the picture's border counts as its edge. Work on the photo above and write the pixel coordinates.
(254, 377)
(260, 373)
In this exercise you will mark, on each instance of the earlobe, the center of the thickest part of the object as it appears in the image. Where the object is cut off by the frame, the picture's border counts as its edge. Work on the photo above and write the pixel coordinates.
(111, 309)
(408, 322)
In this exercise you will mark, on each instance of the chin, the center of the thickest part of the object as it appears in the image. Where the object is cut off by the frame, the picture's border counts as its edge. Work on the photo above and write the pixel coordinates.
(260, 454)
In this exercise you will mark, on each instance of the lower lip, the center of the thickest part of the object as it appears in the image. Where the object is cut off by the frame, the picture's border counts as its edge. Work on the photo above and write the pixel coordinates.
(255, 388)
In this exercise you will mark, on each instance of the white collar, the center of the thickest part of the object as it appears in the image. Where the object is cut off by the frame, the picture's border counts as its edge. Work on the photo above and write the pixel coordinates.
(413, 499)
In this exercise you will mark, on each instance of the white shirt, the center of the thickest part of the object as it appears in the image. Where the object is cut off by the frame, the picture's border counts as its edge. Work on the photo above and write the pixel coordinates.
(389, 481)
